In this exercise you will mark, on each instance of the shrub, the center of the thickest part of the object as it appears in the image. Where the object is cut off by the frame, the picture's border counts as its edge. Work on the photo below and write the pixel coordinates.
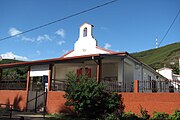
(111, 117)
(144, 114)
(160, 116)
(175, 115)
(63, 117)
(89, 98)
(129, 116)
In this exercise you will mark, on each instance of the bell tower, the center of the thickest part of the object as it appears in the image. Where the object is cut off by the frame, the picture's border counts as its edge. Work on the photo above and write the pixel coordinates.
(86, 44)
(86, 40)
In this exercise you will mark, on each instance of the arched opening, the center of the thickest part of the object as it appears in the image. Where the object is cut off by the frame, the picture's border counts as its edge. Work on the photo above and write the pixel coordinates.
(85, 32)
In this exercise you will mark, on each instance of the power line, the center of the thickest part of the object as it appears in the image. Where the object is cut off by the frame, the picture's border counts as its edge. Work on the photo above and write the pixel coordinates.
(169, 27)
(61, 19)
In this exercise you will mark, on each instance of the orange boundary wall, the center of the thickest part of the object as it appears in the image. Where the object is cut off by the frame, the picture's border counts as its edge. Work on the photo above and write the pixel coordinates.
(18, 98)
(160, 102)
(55, 101)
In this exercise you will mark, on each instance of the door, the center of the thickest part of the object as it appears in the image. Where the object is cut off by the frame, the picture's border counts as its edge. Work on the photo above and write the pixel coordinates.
(37, 94)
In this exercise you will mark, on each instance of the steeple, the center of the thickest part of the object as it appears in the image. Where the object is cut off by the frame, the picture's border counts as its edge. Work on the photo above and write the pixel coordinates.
(86, 44)
(86, 30)
(86, 40)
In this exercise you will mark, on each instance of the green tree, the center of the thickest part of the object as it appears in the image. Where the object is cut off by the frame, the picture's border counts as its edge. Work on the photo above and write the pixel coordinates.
(89, 98)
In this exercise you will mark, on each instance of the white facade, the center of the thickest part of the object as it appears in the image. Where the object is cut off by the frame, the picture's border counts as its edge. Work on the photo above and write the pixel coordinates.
(39, 70)
(174, 78)
(167, 72)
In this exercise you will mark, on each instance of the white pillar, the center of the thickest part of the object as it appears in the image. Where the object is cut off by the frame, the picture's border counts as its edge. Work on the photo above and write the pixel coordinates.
(121, 73)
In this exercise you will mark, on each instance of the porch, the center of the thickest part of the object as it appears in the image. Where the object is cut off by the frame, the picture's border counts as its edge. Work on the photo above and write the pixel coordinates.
(114, 73)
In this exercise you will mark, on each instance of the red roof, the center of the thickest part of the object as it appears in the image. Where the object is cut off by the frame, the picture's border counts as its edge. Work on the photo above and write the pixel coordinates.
(59, 60)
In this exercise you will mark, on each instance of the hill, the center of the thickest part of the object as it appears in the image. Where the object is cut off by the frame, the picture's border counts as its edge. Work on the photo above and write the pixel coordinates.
(6, 61)
(164, 56)
(14, 73)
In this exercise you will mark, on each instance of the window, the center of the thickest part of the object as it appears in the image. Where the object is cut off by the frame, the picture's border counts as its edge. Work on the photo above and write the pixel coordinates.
(85, 32)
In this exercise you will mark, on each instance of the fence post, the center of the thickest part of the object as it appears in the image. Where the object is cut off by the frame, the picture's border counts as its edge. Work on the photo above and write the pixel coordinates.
(136, 86)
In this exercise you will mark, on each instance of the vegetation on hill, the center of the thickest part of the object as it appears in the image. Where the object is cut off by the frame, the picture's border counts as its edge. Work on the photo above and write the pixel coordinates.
(164, 56)
(6, 61)
(13, 73)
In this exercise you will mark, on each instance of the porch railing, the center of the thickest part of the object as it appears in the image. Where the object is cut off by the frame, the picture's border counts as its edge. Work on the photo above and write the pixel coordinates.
(58, 85)
(13, 85)
(159, 86)
(114, 86)
(110, 84)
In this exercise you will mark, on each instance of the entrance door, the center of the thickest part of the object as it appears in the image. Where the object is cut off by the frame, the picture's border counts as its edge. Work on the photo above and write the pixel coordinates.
(37, 93)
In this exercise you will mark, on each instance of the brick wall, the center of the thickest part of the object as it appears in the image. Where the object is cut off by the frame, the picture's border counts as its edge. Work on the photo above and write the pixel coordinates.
(161, 102)
(55, 101)
(17, 98)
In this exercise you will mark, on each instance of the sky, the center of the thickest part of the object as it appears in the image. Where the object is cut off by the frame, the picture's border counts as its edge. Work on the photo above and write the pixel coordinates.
(125, 25)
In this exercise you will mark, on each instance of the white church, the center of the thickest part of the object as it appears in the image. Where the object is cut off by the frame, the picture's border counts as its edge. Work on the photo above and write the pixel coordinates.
(117, 70)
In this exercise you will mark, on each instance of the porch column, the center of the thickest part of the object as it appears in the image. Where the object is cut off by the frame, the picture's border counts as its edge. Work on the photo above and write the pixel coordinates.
(121, 74)
(136, 86)
(49, 77)
(27, 86)
(28, 79)
(99, 70)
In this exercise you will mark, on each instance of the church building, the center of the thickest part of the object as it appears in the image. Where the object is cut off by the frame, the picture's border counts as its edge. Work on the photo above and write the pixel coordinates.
(117, 70)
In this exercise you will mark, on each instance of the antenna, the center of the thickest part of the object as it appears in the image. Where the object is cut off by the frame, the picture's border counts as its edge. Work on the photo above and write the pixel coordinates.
(157, 41)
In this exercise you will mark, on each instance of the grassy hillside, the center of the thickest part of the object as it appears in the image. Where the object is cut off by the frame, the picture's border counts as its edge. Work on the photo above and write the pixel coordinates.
(157, 58)
(5, 61)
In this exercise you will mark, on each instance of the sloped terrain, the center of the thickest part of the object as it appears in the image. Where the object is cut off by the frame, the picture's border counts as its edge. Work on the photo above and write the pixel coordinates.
(164, 56)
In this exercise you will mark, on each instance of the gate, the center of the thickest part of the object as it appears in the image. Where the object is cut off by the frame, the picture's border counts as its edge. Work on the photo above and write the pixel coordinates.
(37, 94)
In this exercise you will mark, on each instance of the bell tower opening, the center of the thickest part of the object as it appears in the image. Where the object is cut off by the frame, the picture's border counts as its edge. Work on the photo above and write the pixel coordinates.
(85, 32)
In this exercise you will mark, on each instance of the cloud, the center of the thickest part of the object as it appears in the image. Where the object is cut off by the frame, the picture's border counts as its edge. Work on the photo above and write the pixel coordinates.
(40, 38)
(27, 39)
(61, 42)
(11, 55)
(13, 31)
(44, 37)
(60, 32)
(107, 45)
